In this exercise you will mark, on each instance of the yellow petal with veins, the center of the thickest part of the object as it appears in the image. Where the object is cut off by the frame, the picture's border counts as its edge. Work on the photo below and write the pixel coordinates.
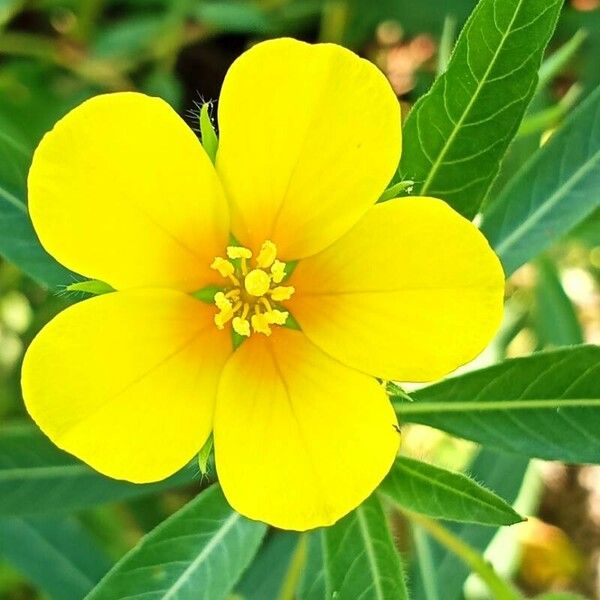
(410, 293)
(121, 190)
(310, 440)
(127, 381)
(309, 138)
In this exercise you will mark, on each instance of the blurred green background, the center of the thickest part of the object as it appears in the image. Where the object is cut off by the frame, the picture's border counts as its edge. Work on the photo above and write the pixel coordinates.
(56, 53)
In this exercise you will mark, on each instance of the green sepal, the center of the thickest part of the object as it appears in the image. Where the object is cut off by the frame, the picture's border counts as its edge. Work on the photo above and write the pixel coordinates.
(204, 455)
(207, 294)
(210, 141)
(400, 188)
(92, 286)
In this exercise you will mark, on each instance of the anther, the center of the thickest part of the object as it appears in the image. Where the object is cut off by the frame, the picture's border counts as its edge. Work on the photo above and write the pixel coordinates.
(267, 255)
(241, 326)
(238, 252)
(281, 293)
(224, 267)
(278, 271)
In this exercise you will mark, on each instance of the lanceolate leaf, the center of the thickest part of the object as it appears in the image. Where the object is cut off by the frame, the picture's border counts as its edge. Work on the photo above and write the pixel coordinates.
(551, 193)
(268, 574)
(56, 555)
(443, 494)
(360, 558)
(456, 135)
(36, 477)
(18, 241)
(199, 553)
(546, 405)
(312, 583)
(501, 472)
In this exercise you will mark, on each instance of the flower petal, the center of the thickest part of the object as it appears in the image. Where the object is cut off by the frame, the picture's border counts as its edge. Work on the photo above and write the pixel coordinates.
(409, 294)
(300, 440)
(121, 190)
(309, 138)
(127, 381)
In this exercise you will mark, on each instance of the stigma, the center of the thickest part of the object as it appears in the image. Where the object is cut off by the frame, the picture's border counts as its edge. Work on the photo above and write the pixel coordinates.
(250, 300)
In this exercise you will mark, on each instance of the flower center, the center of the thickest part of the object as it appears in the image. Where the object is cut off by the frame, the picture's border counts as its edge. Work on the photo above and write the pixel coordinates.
(250, 300)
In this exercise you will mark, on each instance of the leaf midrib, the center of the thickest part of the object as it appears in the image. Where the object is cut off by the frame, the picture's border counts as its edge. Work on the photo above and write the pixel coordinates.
(535, 216)
(480, 85)
(405, 408)
(21, 473)
(370, 551)
(214, 541)
(436, 482)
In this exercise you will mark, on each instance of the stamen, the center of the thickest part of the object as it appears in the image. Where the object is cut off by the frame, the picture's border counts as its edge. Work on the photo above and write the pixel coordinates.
(265, 303)
(222, 318)
(278, 271)
(278, 317)
(238, 252)
(222, 302)
(281, 293)
(267, 255)
(224, 267)
(246, 310)
(241, 326)
(260, 324)
(252, 290)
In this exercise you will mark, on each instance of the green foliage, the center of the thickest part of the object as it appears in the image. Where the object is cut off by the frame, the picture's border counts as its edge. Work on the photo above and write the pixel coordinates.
(268, 575)
(433, 491)
(544, 405)
(551, 193)
(360, 558)
(36, 477)
(456, 135)
(58, 555)
(501, 472)
(457, 138)
(18, 241)
(556, 323)
(200, 552)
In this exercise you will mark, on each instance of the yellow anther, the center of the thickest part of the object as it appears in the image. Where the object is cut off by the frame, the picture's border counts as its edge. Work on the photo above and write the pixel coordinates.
(257, 282)
(222, 318)
(278, 271)
(260, 323)
(282, 292)
(277, 317)
(267, 255)
(224, 267)
(238, 252)
(222, 302)
(241, 326)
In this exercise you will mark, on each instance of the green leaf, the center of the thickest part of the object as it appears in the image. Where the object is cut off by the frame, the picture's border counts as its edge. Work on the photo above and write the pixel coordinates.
(560, 596)
(267, 575)
(18, 242)
(456, 135)
(501, 472)
(551, 193)
(312, 583)
(360, 558)
(555, 320)
(199, 553)
(37, 477)
(545, 405)
(210, 142)
(433, 491)
(57, 555)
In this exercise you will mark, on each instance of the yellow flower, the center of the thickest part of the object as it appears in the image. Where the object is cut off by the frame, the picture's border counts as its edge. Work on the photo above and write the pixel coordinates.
(133, 382)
